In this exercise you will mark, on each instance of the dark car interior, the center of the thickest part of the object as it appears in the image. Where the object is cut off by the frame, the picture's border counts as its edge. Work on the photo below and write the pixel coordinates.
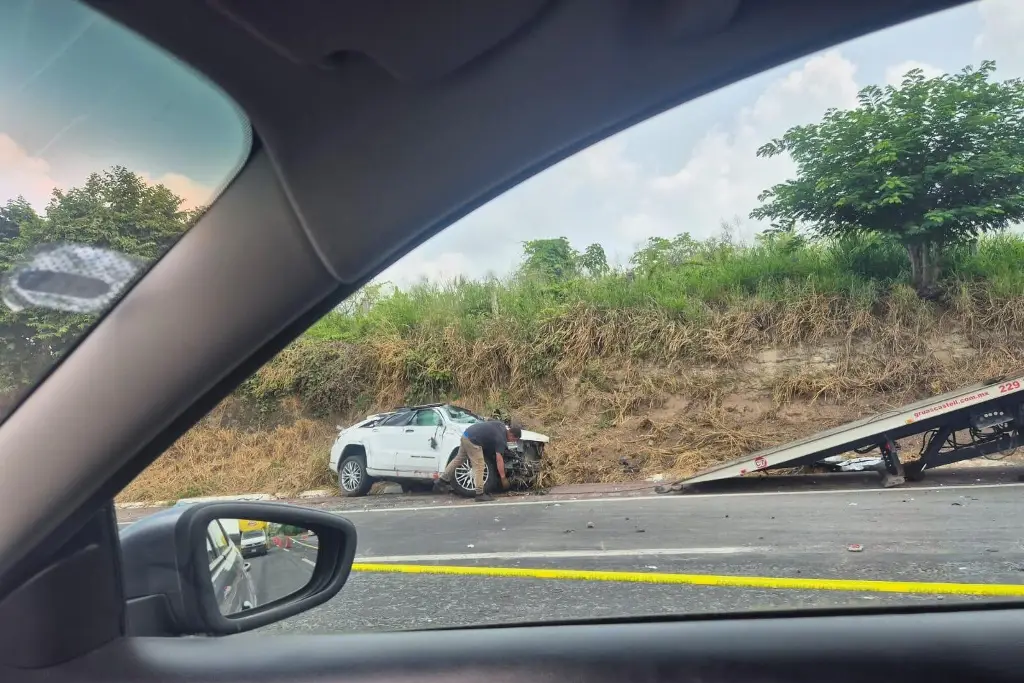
(376, 125)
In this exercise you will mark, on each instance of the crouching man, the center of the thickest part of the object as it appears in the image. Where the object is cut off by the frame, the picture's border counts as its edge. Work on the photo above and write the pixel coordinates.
(480, 439)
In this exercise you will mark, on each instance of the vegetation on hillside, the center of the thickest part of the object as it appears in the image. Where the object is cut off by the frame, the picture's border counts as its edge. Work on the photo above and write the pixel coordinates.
(894, 237)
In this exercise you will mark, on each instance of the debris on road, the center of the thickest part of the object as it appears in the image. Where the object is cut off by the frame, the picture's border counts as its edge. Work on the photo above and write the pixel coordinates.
(590, 525)
(855, 548)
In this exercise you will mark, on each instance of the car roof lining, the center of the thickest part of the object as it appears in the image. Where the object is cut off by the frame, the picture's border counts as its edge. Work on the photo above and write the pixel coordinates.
(354, 169)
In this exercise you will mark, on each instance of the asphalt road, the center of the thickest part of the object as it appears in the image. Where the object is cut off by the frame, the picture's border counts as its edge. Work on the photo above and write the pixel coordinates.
(281, 572)
(969, 534)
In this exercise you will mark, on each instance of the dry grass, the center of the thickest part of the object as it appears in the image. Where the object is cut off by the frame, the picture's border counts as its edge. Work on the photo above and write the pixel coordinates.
(624, 394)
(211, 460)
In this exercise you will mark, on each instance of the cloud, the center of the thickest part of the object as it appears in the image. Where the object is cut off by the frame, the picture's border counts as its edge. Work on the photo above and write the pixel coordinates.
(23, 174)
(722, 177)
(895, 73)
(193, 194)
(33, 178)
(1000, 38)
(613, 194)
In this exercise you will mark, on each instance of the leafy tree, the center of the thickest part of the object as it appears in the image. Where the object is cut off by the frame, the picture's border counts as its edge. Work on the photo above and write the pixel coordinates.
(594, 260)
(660, 253)
(551, 259)
(115, 209)
(933, 162)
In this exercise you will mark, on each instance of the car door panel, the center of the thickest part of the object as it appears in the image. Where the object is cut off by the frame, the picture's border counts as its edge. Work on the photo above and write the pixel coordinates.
(416, 456)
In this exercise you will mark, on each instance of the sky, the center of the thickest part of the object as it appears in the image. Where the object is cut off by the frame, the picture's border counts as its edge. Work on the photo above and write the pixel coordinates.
(80, 94)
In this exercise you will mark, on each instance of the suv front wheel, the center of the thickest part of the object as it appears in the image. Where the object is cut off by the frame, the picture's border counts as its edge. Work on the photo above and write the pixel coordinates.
(353, 481)
(463, 482)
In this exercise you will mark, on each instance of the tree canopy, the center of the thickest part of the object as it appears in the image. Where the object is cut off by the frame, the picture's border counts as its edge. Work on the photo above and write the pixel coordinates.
(115, 209)
(932, 162)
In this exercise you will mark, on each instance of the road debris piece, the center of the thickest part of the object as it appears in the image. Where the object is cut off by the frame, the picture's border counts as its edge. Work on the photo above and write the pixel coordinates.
(855, 548)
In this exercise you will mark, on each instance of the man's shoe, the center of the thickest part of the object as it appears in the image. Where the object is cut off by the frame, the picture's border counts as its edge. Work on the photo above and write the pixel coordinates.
(441, 486)
(482, 497)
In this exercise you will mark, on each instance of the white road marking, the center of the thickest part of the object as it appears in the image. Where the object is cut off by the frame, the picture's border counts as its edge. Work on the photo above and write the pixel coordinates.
(561, 554)
(684, 497)
(308, 561)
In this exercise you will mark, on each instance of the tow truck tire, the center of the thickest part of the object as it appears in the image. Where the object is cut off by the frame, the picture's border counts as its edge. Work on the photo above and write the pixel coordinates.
(467, 491)
(353, 481)
(912, 473)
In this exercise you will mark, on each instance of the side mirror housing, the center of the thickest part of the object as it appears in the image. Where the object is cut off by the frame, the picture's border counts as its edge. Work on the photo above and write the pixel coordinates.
(196, 570)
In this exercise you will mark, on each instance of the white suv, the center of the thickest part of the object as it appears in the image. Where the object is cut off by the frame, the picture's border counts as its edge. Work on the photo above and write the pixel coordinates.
(412, 446)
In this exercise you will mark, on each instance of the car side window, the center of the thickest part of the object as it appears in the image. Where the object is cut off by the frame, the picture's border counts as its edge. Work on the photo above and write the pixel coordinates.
(427, 418)
(397, 420)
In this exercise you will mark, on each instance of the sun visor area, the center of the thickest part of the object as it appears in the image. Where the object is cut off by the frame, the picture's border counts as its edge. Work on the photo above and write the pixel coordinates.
(413, 41)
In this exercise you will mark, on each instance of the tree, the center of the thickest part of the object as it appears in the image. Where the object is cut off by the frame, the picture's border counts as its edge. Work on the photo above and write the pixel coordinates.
(932, 162)
(594, 260)
(551, 259)
(660, 253)
(115, 209)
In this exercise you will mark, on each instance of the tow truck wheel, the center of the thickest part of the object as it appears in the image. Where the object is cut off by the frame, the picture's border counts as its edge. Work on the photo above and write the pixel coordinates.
(913, 473)
(353, 481)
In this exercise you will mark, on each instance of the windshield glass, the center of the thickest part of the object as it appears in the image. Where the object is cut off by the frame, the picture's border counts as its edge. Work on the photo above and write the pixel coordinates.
(257, 534)
(461, 415)
(766, 351)
(109, 151)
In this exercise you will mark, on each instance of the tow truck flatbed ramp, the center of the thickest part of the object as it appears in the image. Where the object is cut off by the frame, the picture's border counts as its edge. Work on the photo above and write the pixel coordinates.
(993, 412)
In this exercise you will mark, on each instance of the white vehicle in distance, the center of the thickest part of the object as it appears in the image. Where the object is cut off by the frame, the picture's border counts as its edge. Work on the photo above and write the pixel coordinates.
(412, 445)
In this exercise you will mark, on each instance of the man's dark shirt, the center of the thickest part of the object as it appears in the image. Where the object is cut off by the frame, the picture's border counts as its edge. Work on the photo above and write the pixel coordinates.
(490, 436)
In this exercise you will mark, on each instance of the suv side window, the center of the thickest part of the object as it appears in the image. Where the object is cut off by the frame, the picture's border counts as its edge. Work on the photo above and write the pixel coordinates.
(398, 419)
(427, 418)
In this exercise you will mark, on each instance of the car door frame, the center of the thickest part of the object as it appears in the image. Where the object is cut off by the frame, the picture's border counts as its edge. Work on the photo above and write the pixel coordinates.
(416, 458)
(382, 443)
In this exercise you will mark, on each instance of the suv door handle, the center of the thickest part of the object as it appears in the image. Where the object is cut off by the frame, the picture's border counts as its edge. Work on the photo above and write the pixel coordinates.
(410, 430)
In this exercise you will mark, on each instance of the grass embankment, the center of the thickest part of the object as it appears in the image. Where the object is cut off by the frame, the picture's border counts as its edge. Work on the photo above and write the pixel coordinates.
(710, 352)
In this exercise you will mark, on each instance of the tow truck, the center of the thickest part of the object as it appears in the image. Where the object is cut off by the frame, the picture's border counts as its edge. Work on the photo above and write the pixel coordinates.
(977, 421)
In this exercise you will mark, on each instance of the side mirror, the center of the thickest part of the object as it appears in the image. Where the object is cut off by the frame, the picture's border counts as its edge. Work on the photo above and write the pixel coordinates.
(185, 574)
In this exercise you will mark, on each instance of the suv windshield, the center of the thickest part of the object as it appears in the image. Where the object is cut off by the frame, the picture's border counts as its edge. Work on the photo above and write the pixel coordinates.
(109, 151)
(461, 415)
(258, 533)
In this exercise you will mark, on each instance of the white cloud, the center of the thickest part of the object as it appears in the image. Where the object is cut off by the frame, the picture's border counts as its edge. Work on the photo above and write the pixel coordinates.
(193, 194)
(723, 176)
(23, 174)
(605, 194)
(1000, 39)
(33, 178)
(894, 74)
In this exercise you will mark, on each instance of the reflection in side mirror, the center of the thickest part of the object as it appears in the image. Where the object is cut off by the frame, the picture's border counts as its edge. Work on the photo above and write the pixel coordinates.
(279, 563)
(220, 568)
(69, 277)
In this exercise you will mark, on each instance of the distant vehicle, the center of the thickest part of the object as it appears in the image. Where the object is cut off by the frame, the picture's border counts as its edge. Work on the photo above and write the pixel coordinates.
(412, 445)
(255, 542)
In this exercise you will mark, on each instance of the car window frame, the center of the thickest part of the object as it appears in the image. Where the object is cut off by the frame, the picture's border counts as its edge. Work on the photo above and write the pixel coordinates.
(437, 417)
(400, 419)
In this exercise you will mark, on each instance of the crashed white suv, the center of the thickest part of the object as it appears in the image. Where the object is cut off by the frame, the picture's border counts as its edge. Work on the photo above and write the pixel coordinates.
(413, 444)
